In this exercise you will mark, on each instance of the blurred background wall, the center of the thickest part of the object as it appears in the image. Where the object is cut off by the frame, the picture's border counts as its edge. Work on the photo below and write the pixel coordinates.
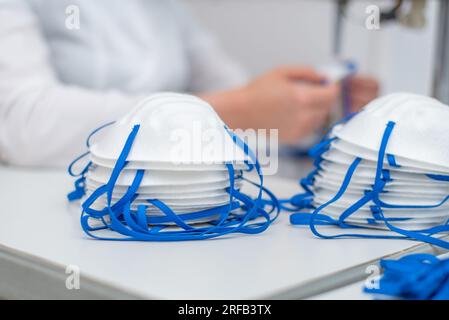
(262, 34)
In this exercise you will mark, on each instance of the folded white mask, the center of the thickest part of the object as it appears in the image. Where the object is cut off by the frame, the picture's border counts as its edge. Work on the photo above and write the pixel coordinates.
(203, 188)
(169, 162)
(369, 173)
(399, 145)
(107, 163)
(419, 119)
(366, 154)
(158, 178)
(169, 134)
(337, 156)
(407, 189)
(368, 181)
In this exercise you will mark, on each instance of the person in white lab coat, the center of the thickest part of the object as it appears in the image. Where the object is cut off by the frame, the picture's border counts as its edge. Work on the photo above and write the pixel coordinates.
(60, 80)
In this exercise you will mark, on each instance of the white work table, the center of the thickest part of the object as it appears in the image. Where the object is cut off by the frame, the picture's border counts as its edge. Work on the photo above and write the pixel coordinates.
(353, 292)
(40, 235)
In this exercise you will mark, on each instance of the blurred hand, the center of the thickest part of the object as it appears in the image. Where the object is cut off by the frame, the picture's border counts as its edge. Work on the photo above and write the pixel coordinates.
(291, 99)
(362, 90)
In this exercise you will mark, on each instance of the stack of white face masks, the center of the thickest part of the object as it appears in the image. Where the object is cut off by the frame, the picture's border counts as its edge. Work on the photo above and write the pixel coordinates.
(387, 167)
(164, 170)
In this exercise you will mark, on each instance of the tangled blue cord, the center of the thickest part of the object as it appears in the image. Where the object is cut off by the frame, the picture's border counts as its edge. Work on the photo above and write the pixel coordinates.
(414, 277)
(382, 178)
(242, 215)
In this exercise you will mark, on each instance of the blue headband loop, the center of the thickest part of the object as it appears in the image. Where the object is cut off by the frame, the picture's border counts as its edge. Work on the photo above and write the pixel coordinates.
(414, 277)
(382, 177)
(89, 137)
(134, 224)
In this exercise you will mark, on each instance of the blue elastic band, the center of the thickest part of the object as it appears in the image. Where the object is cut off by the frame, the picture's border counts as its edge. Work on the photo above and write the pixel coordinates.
(241, 215)
(382, 177)
(392, 161)
(438, 177)
(414, 277)
(88, 144)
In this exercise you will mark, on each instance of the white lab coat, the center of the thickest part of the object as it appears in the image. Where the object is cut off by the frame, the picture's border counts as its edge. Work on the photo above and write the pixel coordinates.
(58, 82)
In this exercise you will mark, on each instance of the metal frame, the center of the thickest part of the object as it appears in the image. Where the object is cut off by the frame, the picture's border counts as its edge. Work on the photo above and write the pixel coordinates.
(441, 67)
(24, 276)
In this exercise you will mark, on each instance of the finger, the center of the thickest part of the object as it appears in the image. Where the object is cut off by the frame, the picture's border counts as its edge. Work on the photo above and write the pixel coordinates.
(364, 83)
(363, 97)
(301, 73)
(321, 97)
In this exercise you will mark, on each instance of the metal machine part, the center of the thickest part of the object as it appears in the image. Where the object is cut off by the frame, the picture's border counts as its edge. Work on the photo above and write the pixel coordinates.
(411, 17)
(415, 17)
(338, 27)
(441, 66)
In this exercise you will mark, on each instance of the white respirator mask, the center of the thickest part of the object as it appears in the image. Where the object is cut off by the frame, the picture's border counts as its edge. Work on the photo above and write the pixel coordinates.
(170, 170)
(386, 167)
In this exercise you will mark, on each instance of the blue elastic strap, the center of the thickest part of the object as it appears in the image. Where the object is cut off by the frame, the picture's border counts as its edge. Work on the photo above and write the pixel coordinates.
(381, 178)
(304, 200)
(392, 161)
(414, 277)
(134, 224)
(89, 137)
(79, 191)
(438, 177)
(345, 119)
(79, 184)
(317, 150)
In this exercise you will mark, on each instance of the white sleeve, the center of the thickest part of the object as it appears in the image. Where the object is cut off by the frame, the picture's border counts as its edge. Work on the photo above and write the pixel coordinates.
(42, 121)
(211, 67)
